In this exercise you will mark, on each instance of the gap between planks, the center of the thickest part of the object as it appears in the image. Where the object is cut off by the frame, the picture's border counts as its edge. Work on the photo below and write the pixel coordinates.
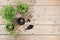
(41, 24)
(36, 5)
(35, 34)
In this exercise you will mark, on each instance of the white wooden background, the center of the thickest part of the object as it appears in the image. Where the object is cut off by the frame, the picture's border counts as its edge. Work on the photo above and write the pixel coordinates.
(46, 20)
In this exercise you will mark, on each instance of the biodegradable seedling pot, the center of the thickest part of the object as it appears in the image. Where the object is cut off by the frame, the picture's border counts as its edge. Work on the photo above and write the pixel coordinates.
(10, 27)
(21, 21)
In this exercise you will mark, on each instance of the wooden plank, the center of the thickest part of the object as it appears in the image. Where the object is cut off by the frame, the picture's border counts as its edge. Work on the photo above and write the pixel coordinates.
(43, 10)
(14, 2)
(2, 37)
(42, 29)
(41, 20)
(31, 2)
(47, 2)
(3, 29)
(46, 20)
(42, 14)
(46, 10)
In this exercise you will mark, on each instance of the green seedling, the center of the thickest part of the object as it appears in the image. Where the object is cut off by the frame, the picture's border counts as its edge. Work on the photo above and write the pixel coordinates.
(8, 13)
(13, 34)
(22, 8)
(9, 27)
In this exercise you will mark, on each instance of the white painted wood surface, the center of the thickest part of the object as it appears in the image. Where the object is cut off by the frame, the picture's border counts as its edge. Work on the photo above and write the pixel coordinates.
(30, 38)
(46, 20)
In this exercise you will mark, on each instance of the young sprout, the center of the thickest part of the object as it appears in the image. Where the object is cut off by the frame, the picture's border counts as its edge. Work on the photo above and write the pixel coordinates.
(14, 34)
(8, 13)
(22, 8)
(9, 27)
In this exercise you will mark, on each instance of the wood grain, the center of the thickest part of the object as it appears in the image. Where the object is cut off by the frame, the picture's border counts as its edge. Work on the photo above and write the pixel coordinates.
(46, 20)
(42, 29)
(44, 15)
(31, 2)
(30, 38)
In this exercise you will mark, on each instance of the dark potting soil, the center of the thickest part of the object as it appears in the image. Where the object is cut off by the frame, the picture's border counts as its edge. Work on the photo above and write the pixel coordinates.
(29, 20)
(29, 27)
(21, 21)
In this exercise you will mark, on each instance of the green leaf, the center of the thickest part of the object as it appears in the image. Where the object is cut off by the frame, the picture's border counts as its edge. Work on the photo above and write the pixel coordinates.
(8, 13)
(9, 27)
(13, 34)
(22, 8)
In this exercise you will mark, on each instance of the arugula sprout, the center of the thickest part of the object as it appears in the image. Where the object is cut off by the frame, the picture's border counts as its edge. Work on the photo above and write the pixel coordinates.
(8, 13)
(22, 8)
(10, 27)
(13, 34)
